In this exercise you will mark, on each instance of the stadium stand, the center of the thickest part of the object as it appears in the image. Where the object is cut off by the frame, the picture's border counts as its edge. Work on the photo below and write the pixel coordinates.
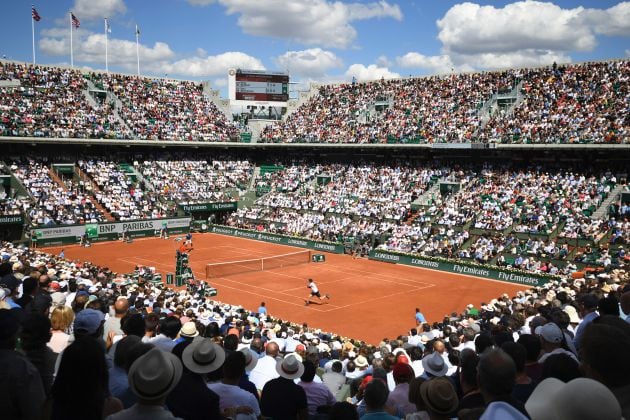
(71, 331)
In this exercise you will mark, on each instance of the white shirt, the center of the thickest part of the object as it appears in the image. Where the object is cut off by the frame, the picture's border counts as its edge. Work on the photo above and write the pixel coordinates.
(264, 371)
(313, 287)
(233, 396)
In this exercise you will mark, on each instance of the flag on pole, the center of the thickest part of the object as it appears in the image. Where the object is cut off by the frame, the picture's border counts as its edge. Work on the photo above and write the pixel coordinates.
(35, 15)
(75, 21)
(108, 28)
(137, 31)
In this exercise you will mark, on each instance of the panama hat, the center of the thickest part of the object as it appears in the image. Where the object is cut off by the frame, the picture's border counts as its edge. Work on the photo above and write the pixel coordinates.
(250, 360)
(189, 330)
(203, 355)
(290, 367)
(434, 364)
(154, 375)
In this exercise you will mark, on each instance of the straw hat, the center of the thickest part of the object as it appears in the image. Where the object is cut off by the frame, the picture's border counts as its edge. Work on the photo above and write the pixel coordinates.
(154, 375)
(189, 330)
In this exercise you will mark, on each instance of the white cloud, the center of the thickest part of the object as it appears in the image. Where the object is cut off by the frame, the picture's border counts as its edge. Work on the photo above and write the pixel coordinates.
(434, 63)
(221, 82)
(470, 28)
(627, 53)
(310, 22)
(614, 21)
(523, 33)
(383, 61)
(157, 59)
(313, 62)
(371, 72)
(91, 9)
(214, 65)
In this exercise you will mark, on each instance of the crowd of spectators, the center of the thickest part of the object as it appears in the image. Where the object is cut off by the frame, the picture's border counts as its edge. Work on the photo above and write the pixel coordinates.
(54, 102)
(123, 198)
(94, 345)
(190, 181)
(164, 109)
(51, 102)
(55, 204)
(578, 103)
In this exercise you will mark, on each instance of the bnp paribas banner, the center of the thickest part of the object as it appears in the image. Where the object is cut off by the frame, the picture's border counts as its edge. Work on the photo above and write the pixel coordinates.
(60, 235)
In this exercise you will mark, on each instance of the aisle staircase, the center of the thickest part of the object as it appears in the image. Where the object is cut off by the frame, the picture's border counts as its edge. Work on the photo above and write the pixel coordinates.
(602, 210)
(92, 187)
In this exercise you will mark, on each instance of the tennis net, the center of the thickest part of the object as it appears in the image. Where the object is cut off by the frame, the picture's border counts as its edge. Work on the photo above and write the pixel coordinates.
(230, 268)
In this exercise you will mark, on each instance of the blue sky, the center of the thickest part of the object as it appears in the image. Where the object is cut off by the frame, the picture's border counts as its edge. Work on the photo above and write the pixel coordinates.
(318, 40)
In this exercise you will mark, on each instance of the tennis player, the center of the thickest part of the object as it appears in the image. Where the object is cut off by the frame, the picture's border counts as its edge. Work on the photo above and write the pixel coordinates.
(314, 293)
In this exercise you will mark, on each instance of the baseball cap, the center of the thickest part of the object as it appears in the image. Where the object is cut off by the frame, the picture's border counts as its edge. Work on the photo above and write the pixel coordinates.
(550, 332)
(88, 320)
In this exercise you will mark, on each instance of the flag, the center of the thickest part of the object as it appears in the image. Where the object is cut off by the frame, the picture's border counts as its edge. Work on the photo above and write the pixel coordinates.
(108, 28)
(137, 30)
(75, 21)
(35, 15)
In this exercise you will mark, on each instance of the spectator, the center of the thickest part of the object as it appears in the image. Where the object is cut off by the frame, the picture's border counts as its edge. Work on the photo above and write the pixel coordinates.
(317, 394)
(496, 374)
(375, 397)
(61, 320)
(524, 384)
(281, 398)
(265, 369)
(169, 328)
(561, 366)
(118, 383)
(152, 377)
(191, 398)
(231, 395)
(334, 380)
(439, 397)
(121, 307)
(83, 376)
(34, 336)
(21, 391)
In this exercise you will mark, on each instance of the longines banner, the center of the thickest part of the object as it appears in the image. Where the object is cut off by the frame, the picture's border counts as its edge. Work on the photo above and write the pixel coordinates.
(489, 272)
(60, 235)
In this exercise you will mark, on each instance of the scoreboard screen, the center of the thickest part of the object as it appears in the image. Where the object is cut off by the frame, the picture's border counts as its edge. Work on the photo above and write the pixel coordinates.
(261, 86)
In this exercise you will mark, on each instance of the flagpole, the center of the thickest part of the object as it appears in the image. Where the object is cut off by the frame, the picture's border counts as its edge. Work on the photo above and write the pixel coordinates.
(71, 51)
(106, 28)
(138, 48)
(33, 30)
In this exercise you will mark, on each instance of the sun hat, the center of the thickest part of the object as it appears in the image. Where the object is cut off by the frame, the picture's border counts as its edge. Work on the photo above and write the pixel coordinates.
(203, 355)
(573, 315)
(360, 361)
(189, 330)
(439, 395)
(155, 374)
(434, 364)
(290, 367)
(581, 398)
(250, 360)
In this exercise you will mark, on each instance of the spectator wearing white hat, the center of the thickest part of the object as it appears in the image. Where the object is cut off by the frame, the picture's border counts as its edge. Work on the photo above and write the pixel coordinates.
(552, 341)
(281, 397)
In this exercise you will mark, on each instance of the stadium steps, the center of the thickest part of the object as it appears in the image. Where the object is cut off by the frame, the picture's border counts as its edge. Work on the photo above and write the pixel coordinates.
(252, 181)
(424, 199)
(56, 179)
(92, 187)
(602, 210)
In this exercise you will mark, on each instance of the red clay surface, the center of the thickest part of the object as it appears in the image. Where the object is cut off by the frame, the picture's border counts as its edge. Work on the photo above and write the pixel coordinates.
(370, 300)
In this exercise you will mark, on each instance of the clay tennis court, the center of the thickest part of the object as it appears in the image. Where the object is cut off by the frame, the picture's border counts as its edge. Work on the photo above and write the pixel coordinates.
(370, 300)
